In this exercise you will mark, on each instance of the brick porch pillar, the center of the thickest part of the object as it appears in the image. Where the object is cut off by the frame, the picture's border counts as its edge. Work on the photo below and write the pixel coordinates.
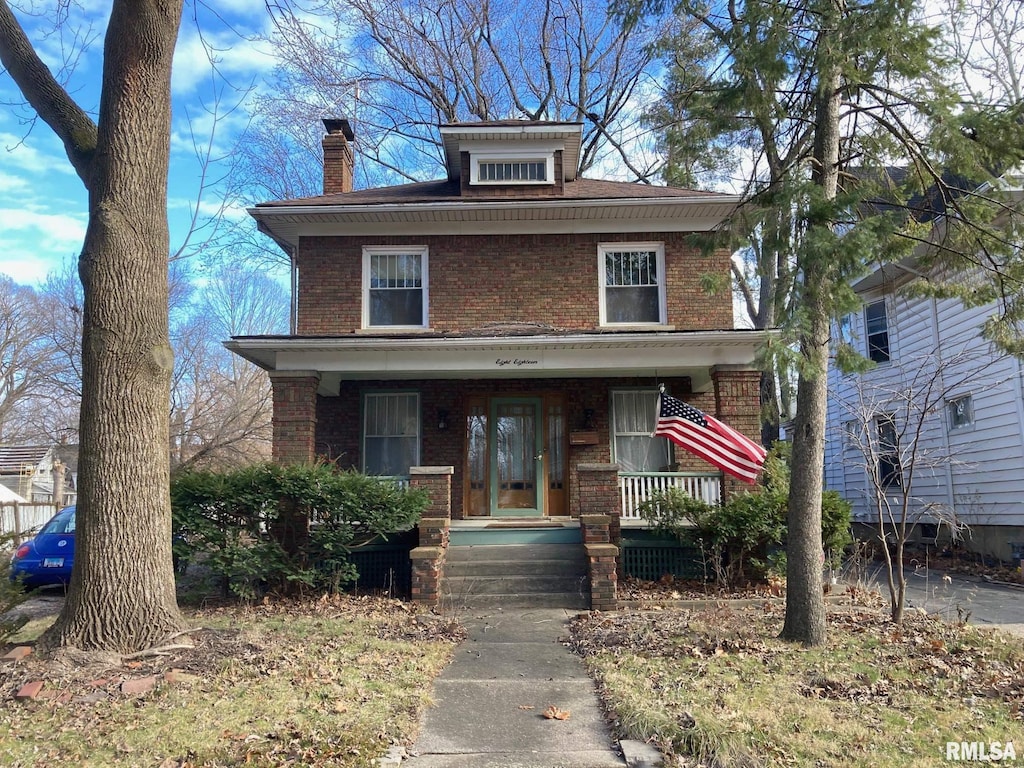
(294, 416)
(738, 404)
(600, 514)
(428, 557)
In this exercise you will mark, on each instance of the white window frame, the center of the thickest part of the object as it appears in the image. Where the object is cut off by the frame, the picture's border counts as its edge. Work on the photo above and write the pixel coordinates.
(364, 413)
(659, 249)
(488, 152)
(951, 409)
(369, 252)
(614, 435)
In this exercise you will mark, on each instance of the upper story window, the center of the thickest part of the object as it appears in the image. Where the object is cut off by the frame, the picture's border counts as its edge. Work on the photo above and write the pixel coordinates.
(395, 287)
(961, 412)
(512, 171)
(632, 283)
(876, 330)
(634, 413)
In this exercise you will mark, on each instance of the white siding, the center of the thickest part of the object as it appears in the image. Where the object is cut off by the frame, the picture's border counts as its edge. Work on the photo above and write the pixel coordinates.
(980, 468)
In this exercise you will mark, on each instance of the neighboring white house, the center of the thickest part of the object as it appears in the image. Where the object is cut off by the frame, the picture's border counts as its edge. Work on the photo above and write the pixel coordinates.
(938, 390)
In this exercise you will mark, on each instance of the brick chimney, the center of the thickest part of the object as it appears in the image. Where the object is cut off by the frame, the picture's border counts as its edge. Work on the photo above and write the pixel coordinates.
(338, 161)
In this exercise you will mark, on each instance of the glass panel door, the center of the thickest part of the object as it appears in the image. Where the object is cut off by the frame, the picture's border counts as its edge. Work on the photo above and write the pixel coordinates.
(516, 456)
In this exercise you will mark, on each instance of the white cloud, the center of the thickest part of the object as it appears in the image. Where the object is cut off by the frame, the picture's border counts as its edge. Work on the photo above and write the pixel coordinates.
(35, 243)
(238, 61)
(36, 154)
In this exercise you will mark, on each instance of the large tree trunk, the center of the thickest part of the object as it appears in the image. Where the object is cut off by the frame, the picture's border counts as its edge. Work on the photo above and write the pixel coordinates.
(805, 603)
(122, 593)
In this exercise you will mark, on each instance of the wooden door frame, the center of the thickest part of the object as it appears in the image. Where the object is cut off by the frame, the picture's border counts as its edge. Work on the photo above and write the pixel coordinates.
(548, 400)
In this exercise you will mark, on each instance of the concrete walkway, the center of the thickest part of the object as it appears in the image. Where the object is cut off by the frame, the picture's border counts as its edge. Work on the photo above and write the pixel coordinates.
(488, 703)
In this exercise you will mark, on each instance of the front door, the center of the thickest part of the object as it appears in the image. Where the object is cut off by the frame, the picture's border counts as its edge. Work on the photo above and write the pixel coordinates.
(516, 456)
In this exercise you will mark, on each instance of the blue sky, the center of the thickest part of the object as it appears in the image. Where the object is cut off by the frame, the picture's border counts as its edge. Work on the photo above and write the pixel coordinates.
(43, 202)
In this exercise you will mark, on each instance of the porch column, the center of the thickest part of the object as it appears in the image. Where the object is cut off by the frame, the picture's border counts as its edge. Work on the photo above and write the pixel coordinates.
(294, 416)
(599, 489)
(428, 557)
(738, 404)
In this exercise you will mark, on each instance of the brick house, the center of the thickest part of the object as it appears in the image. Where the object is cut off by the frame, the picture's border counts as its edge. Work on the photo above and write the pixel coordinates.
(510, 323)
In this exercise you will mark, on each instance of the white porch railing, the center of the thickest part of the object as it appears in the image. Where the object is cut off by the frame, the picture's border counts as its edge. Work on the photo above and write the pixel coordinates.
(637, 487)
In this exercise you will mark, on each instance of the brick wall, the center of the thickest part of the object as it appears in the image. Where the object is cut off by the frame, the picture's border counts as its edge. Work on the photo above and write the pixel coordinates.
(338, 425)
(294, 420)
(478, 279)
(738, 404)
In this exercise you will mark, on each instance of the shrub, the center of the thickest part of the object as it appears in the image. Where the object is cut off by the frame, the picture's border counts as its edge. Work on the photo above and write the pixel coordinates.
(12, 594)
(285, 528)
(741, 538)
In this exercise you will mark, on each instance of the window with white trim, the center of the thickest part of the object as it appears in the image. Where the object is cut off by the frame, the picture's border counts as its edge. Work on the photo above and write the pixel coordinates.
(395, 287)
(961, 412)
(876, 330)
(512, 171)
(632, 279)
(391, 433)
(634, 413)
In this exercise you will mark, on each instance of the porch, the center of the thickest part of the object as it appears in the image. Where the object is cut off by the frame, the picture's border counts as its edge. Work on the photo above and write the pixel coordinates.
(635, 488)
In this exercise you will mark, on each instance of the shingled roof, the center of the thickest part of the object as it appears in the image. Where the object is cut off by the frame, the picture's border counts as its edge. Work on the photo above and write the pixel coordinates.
(445, 191)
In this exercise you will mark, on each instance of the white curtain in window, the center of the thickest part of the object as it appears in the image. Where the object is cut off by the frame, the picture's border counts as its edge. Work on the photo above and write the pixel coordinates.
(633, 417)
(391, 433)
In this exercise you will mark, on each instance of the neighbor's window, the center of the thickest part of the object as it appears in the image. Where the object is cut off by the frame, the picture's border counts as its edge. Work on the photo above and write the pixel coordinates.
(961, 412)
(890, 473)
(634, 413)
(632, 283)
(391, 433)
(395, 287)
(876, 326)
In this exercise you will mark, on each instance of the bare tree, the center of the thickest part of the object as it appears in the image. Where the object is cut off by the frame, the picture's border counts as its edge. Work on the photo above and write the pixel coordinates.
(26, 361)
(891, 423)
(122, 592)
(398, 69)
(221, 405)
(987, 40)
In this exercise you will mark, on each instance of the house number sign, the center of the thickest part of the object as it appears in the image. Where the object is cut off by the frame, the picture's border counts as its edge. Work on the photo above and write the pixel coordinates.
(517, 362)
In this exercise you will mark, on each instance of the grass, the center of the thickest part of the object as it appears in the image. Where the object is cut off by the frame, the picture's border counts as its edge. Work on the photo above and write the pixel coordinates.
(332, 682)
(717, 688)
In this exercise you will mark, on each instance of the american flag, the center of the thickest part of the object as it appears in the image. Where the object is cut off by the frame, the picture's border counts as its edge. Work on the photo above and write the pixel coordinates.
(707, 437)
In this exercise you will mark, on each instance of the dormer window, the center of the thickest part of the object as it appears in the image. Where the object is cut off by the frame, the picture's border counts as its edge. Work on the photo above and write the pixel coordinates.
(512, 168)
(512, 172)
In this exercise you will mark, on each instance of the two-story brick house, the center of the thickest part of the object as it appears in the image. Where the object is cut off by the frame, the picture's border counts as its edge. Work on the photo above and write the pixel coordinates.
(512, 321)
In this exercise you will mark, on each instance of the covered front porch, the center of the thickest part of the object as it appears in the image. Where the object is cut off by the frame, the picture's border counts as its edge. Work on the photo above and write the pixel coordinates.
(518, 418)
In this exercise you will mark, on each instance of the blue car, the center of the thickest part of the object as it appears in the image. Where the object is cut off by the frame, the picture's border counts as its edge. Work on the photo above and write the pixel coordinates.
(47, 558)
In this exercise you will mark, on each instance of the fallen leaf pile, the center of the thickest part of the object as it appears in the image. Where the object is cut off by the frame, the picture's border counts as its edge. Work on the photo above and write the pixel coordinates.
(554, 713)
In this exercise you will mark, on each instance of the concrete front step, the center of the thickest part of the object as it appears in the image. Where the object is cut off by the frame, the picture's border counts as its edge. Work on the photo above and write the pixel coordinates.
(536, 600)
(498, 568)
(511, 552)
(525, 585)
(516, 576)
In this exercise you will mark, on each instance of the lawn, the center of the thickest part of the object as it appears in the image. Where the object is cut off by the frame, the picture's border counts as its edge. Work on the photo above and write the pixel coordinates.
(717, 688)
(333, 682)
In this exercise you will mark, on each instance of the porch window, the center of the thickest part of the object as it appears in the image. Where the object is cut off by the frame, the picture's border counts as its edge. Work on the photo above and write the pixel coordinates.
(632, 283)
(634, 413)
(391, 433)
(395, 287)
(876, 324)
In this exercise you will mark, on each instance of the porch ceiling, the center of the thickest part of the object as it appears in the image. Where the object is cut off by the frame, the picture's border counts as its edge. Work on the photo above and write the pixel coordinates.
(654, 355)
